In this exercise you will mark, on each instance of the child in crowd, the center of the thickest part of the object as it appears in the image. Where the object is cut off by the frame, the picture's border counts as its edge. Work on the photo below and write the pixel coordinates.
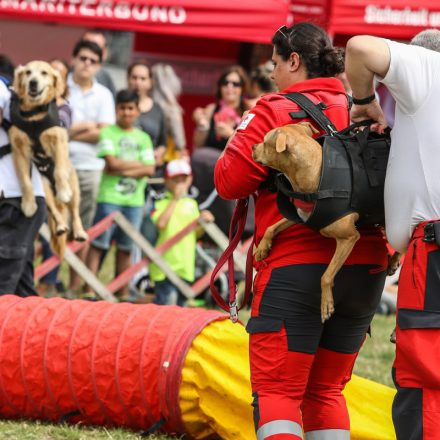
(129, 159)
(171, 214)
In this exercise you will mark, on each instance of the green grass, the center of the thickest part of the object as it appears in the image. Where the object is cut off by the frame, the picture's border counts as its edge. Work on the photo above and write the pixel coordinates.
(25, 430)
(377, 354)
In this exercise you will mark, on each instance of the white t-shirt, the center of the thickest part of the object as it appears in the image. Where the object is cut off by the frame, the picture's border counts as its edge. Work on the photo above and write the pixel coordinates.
(412, 185)
(9, 183)
(97, 105)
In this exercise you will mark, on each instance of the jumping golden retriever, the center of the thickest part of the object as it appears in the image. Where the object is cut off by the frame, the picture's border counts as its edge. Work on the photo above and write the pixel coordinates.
(36, 136)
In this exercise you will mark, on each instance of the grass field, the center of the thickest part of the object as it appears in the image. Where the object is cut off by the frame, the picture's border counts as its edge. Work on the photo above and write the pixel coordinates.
(374, 363)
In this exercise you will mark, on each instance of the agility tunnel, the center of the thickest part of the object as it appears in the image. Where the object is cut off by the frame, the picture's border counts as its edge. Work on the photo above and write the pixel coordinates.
(143, 367)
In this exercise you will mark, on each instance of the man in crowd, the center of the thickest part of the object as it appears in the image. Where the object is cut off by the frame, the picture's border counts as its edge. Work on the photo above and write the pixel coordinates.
(17, 232)
(92, 108)
(98, 37)
(412, 211)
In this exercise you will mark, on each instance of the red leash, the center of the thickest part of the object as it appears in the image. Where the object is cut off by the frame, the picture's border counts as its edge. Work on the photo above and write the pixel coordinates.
(236, 229)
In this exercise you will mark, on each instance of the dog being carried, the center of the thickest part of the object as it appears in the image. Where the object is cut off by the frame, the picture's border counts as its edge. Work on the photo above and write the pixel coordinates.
(36, 135)
(292, 150)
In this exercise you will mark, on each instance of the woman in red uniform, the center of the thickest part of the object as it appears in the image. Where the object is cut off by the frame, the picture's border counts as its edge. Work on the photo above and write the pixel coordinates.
(300, 366)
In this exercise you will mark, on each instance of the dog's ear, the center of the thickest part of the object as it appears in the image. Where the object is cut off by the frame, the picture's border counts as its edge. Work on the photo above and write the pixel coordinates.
(17, 84)
(58, 83)
(281, 142)
(308, 128)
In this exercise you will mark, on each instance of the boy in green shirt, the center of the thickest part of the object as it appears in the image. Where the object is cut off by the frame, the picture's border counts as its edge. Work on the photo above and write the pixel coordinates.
(171, 214)
(129, 159)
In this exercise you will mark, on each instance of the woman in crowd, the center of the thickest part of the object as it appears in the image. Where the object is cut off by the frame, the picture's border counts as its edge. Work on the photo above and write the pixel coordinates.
(300, 366)
(151, 119)
(216, 122)
(260, 83)
(166, 90)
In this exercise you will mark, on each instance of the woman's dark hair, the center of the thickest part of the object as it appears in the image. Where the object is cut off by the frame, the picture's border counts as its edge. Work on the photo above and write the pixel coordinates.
(127, 95)
(261, 77)
(313, 46)
(66, 91)
(138, 63)
(243, 79)
(90, 45)
(6, 68)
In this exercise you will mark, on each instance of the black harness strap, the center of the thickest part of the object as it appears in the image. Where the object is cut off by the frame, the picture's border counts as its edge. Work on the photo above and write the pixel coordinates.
(284, 186)
(314, 111)
(4, 150)
(34, 129)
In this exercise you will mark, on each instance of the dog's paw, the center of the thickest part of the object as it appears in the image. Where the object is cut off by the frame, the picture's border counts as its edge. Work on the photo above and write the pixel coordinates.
(61, 229)
(80, 235)
(261, 252)
(29, 207)
(327, 310)
(64, 195)
(393, 336)
(393, 263)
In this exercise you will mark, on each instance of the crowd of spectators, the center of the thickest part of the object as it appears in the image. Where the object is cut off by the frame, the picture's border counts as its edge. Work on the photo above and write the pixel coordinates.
(119, 139)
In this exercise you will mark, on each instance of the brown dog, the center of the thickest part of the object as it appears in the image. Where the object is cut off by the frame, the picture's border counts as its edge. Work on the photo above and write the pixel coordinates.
(292, 150)
(38, 84)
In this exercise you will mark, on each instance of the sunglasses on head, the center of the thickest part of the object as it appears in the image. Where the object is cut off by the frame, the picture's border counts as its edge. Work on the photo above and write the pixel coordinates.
(225, 82)
(84, 59)
(284, 31)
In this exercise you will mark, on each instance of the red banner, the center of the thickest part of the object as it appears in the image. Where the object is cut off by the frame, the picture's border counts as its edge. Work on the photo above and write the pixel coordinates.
(308, 10)
(392, 18)
(244, 20)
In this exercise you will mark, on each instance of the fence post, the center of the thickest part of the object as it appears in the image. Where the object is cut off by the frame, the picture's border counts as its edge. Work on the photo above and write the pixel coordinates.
(81, 269)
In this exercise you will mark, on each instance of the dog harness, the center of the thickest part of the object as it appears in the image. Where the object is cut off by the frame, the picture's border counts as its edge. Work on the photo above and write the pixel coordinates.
(34, 129)
(352, 175)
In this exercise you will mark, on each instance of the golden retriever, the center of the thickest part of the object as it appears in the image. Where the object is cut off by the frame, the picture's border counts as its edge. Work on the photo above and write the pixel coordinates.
(32, 138)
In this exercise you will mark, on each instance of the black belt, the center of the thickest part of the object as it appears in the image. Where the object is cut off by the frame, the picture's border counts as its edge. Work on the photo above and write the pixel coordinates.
(432, 232)
(4, 150)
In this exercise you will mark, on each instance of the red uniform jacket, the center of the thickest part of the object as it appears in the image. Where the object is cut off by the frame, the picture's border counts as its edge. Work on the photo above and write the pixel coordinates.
(237, 176)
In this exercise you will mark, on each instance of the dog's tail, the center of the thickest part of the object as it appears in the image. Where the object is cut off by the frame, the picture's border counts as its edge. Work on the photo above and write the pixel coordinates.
(58, 241)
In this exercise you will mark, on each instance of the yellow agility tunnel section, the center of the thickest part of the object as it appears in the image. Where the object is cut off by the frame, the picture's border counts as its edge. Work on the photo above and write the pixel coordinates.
(215, 394)
(142, 366)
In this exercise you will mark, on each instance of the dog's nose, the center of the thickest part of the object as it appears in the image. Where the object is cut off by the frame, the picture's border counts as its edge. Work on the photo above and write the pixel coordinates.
(33, 84)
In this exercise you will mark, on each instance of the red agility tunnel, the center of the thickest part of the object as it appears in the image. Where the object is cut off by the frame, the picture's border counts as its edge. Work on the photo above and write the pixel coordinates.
(99, 363)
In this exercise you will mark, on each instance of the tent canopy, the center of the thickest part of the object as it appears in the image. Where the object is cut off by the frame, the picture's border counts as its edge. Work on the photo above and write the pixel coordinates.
(398, 19)
(244, 20)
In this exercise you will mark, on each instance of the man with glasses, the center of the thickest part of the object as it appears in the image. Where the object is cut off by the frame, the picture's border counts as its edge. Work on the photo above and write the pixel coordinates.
(103, 77)
(412, 211)
(92, 108)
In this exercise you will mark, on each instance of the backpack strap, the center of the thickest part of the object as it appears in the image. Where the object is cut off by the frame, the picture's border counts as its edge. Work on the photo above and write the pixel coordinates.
(4, 150)
(313, 110)
(284, 186)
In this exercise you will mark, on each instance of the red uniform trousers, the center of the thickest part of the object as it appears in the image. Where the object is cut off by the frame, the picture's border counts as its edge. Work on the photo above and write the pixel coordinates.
(300, 366)
(416, 369)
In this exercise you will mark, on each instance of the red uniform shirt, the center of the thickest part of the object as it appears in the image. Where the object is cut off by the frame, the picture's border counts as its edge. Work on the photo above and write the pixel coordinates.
(237, 176)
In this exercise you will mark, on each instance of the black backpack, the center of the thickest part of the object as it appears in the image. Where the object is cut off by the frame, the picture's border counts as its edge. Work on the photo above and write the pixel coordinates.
(353, 172)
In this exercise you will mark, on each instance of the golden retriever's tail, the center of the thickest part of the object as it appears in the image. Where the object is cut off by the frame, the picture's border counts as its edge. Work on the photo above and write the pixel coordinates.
(58, 242)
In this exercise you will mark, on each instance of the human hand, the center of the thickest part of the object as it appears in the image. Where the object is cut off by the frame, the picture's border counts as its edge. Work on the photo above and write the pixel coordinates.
(180, 190)
(207, 216)
(369, 111)
(159, 152)
(224, 129)
(200, 118)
